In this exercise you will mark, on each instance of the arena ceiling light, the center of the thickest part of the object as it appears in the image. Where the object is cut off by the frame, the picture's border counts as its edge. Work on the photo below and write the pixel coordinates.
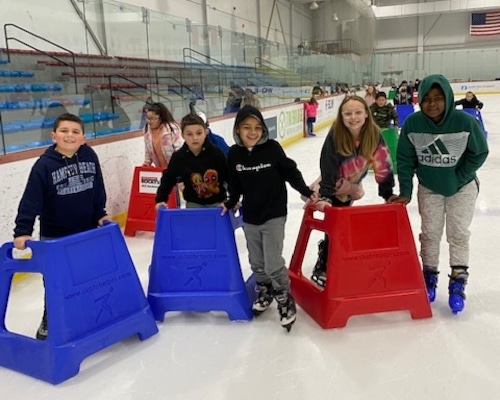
(313, 6)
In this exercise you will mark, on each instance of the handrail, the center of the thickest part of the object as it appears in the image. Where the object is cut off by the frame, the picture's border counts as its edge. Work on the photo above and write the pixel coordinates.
(203, 55)
(182, 85)
(264, 61)
(3, 136)
(201, 71)
(7, 38)
(151, 92)
(220, 63)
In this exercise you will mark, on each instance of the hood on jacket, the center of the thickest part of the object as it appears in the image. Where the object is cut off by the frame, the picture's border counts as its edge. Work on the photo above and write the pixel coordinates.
(437, 79)
(249, 111)
(57, 157)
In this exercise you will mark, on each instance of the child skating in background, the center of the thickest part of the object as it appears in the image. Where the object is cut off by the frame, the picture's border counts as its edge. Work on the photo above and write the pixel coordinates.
(65, 189)
(444, 147)
(469, 101)
(199, 165)
(353, 146)
(311, 108)
(370, 95)
(162, 136)
(383, 112)
(258, 170)
(217, 140)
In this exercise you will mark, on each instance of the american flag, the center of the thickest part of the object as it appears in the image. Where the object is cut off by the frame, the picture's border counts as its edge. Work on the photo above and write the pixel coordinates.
(484, 24)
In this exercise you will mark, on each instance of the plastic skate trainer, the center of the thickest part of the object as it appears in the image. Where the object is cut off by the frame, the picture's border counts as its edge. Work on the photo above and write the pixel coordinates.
(94, 299)
(195, 265)
(141, 213)
(372, 263)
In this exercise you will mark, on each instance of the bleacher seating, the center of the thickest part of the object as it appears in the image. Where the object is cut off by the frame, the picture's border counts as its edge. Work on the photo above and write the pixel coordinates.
(35, 88)
(45, 102)
(17, 74)
(30, 87)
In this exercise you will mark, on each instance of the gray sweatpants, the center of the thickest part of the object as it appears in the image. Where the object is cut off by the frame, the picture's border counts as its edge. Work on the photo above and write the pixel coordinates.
(265, 248)
(457, 211)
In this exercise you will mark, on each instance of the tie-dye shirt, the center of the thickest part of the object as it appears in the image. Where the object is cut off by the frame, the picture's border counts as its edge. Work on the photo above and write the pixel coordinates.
(354, 168)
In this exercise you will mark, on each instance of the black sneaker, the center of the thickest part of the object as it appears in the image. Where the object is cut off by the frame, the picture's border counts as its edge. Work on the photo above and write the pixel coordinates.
(264, 298)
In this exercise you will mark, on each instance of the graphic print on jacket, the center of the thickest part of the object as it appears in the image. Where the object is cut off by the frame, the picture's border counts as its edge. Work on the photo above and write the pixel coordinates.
(439, 150)
(204, 175)
(206, 185)
(70, 179)
(355, 168)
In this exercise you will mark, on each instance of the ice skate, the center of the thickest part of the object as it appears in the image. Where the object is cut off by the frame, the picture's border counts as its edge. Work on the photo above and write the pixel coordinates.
(286, 309)
(319, 271)
(43, 329)
(456, 290)
(264, 298)
(431, 280)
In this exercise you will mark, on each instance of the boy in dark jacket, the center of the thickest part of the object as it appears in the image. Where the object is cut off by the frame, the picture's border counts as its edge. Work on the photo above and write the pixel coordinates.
(258, 169)
(383, 112)
(199, 164)
(65, 189)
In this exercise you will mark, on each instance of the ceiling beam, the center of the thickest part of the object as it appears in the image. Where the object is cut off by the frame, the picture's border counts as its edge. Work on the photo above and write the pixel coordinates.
(434, 7)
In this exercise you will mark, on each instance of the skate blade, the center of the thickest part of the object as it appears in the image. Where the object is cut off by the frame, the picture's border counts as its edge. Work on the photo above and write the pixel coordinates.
(287, 323)
(256, 313)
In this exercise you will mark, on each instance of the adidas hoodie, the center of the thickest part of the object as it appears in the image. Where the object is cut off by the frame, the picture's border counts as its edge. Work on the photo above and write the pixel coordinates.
(259, 174)
(444, 155)
(67, 193)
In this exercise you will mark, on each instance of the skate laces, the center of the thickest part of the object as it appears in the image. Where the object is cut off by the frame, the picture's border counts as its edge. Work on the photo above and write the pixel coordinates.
(457, 284)
(431, 278)
(286, 304)
(265, 294)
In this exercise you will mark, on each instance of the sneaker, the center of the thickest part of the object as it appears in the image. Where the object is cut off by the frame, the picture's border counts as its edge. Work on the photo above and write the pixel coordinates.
(456, 290)
(286, 309)
(264, 298)
(431, 280)
(43, 329)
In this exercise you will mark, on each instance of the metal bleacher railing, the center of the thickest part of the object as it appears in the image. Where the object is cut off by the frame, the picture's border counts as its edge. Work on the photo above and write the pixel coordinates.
(110, 93)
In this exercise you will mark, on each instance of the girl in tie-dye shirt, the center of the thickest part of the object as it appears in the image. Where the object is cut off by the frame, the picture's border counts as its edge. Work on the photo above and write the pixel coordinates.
(352, 146)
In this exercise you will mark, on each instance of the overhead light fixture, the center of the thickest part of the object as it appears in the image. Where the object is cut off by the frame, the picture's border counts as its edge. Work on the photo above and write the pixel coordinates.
(314, 6)
(335, 17)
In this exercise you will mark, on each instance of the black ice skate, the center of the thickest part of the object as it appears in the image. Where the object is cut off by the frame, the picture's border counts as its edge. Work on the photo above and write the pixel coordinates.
(43, 329)
(286, 309)
(319, 271)
(264, 298)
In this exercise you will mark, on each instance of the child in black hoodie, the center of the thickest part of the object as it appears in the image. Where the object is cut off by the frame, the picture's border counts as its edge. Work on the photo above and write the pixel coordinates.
(199, 165)
(258, 170)
(65, 189)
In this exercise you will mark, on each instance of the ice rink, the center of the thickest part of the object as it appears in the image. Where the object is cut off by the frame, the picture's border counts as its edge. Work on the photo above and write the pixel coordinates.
(385, 356)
